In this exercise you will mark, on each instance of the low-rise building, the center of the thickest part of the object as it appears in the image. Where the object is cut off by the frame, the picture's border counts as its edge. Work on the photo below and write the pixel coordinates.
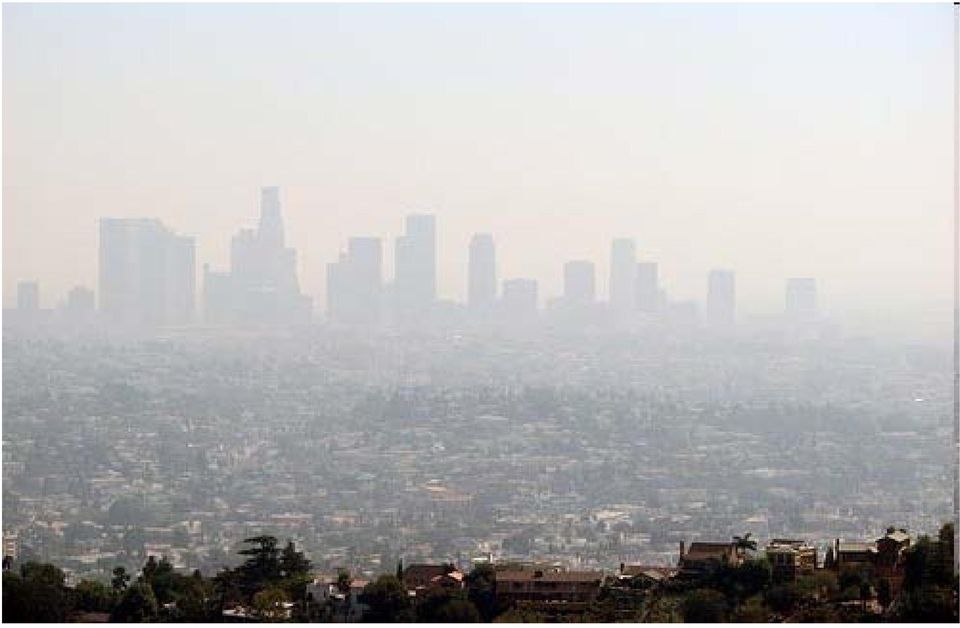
(553, 588)
(853, 554)
(704, 556)
(423, 577)
(790, 558)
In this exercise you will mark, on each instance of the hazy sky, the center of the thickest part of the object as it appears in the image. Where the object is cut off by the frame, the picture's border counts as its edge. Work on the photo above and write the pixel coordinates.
(775, 140)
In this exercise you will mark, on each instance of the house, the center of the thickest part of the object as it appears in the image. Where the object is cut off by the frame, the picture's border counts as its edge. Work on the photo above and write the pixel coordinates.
(853, 554)
(704, 556)
(554, 589)
(426, 576)
(791, 558)
(645, 576)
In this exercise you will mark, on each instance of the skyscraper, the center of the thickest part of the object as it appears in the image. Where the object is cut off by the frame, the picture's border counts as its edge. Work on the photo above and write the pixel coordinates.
(519, 298)
(647, 287)
(147, 273)
(482, 273)
(28, 296)
(415, 282)
(801, 299)
(579, 285)
(623, 273)
(721, 298)
(80, 300)
(261, 286)
(355, 283)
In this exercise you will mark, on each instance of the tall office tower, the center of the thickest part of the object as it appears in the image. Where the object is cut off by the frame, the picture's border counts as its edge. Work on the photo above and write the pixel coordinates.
(623, 275)
(271, 219)
(147, 273)
(482, 273)
(647, 287)
(721, 298)
(80, 300)
(519, 298)
(579, 287)
(355, 283)
(415, 283)
(28, 296)
(261, 286)
(801, 299)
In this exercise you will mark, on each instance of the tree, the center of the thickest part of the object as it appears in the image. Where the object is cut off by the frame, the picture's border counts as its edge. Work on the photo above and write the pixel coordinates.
(94, 597)
(270, 604)
(481, 590)
(884, 594)
(446, 606)
(457, 611)
(38, 594)
(137, 605)
(120, 580)
(195, 599)
(753, 611)
(704, 606)
(387, 600)
(343, 581)
(292, 562)
(781, 598)
(263, 565)
(161, 578)
(743, 544)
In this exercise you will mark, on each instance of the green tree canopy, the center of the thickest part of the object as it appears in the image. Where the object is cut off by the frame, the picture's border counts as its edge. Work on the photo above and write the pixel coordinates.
(386, 600)
(137, 605)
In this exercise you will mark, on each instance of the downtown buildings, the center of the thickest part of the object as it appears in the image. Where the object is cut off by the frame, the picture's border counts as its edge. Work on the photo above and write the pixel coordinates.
(147, 274)
(148, 279)
(261, 287)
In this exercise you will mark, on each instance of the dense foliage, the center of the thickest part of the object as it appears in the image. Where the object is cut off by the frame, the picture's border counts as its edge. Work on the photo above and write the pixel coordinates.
(271, 585)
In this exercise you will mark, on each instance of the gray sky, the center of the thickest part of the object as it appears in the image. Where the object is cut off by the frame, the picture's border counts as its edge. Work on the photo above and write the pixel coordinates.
(775, 140)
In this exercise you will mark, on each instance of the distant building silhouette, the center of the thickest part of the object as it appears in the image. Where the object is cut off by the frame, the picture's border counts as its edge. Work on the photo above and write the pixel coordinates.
(355, 283)
(482, 273)
(579, 283)
(801, 299)
(623, 275)
(80, 300)
(519, 298)
(262, 286)
(147, 273)
(28, 296)
(647, 287)
(721, 298)
(415, 282)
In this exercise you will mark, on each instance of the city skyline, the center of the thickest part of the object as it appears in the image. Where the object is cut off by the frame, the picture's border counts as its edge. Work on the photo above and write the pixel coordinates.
(557, 161)
(148, 277)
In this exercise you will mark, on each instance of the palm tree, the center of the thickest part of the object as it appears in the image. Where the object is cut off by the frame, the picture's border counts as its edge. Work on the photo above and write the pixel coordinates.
(743, 544)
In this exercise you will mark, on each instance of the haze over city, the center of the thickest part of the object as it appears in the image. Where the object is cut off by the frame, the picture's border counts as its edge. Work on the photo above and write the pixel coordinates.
(480, 313)
(775, 141)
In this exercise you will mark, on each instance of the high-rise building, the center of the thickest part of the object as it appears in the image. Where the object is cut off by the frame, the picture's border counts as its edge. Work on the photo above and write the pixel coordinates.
(147, 273)
(647, 287)
(28, 296)
(261, 286)
(519, 298)
(80, 300)
(482, 273)
(579, 286)
(415, 282)
(801, 299)
(355, 283)
(623, 275)
(721, 298)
